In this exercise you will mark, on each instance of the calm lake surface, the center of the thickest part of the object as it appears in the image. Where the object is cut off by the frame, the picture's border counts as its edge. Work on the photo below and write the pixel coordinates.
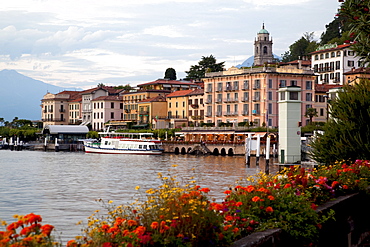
(63, 186)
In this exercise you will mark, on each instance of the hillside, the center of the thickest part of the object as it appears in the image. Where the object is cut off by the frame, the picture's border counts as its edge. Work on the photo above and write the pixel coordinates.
(20, 96)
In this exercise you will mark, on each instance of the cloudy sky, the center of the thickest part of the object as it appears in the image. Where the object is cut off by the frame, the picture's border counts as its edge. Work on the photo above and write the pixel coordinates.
(80, 43)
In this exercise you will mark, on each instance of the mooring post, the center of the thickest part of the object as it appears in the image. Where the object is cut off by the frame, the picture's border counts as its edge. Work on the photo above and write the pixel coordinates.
(267, 166)
(248, 151)
(258, 150)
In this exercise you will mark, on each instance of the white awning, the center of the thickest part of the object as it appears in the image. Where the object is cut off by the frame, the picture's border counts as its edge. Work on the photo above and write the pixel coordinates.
(65, 129)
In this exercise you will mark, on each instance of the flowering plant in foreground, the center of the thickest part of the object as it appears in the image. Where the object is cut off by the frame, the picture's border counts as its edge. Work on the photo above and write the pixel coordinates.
(27, 231)
(177, 214)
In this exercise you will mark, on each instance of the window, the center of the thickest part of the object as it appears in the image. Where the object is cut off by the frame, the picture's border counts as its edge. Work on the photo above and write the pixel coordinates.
(112, 115)
(236, 85)
(120, 105)
(293, 95)
(236, 109)
(169, 104)
(236, 96)
(265, 49)
(101, 104)
(321, 56)
(282, 96)
(270, 83)
(326, 55)
(308, 96)
(219, 98)
(177, 104)
(246, 96)
(293, 83)
(282, 83)
(351, 63)
(112, 105)
(209, 98)
(320, 98)
(246, 84)
(269, 108)
(256, 96)
(308, 85)
(190, 102)
(101, 115)
(219, 87)
(351, 53)
(219, 110)
(338, 53)
(245, 109)
(269, 96)
(316, 57)
(256, 84)
(332, 54)
(321, 112)
(201, 101)
(183, 104)
(337, 65)
(209, 88)
(209, 111)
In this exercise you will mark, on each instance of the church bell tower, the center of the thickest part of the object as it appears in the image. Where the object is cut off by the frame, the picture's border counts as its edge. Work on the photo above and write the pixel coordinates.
(263, 47)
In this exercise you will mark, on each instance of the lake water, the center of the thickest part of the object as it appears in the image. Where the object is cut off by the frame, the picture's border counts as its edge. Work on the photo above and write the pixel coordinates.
(63, 186)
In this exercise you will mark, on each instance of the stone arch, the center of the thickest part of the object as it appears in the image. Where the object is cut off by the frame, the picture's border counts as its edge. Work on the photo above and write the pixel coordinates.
(230, 152)
(177, 150)
(223, 151)
(183, 150)
(189, 150)
(215, 151)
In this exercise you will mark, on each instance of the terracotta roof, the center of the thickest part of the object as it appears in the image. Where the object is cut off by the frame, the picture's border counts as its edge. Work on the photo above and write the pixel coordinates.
(199, 91)
(110, 97)
(179, 93)
(158, 98)
(303, 62)
(339, 47)
(361, 70)
(324, 88)
(168, 82)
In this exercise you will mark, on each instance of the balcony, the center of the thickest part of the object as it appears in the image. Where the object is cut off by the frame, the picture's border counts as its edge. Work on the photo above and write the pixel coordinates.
(244, 88)
(218, 114)
(219, 89)
(208, 101)
(176, 117)
(228, 88)
(197, 117)
(256, 98)
(245, 113)
(143, 113)
(208, 114)
(255, 112)
(194, 106)
(218, 101)
(62, 110)
(245, 99)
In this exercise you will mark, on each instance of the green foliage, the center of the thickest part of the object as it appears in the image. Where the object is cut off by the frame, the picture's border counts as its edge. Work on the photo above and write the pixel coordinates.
(347, 133)
(357, 14)
(310, 128)
(335, 31)
(92, 135)
(170, 74)
(310, 113)
(206, 64)
(300, 48)
(127, 87)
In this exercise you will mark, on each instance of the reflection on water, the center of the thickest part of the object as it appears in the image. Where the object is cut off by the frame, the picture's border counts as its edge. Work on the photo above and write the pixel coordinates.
(64, 187)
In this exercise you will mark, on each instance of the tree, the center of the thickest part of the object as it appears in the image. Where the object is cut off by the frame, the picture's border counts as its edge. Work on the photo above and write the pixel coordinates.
(206, 64)
(127, 87)
(357, 14)
(170, 74)
(300, 48)
(335, 30)
(347, 133)
(311, 113)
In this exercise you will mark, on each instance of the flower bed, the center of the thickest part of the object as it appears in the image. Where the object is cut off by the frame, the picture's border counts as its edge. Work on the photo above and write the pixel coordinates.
(177, 214)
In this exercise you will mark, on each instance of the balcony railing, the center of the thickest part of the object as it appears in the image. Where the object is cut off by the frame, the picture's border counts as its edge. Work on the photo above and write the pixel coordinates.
(195, 106)
(208, 101)
(62, 110)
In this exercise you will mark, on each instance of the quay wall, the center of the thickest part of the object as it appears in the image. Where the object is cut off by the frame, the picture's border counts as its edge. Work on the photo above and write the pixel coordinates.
(350, 228)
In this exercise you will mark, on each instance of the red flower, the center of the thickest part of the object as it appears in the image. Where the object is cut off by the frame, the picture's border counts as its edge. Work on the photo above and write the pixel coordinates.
(46, 229)
(269, 209)
(345, 187)
(227, 191)
(256, 199)
(154, 225)
(287, 186)
(271, 198)
(205, 190)
(235, 230)
(313, 206)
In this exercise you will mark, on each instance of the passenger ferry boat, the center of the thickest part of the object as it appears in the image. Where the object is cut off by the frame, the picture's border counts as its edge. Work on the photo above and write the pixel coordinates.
(124, 143)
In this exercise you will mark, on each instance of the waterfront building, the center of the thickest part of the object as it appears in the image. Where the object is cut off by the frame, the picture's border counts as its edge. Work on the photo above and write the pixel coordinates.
(106, 109)
(250, 95)
(87, 99)
(75, 112)
(331, 61)
(55, 107)
(196, 107)
(150, 111)
(178, 107)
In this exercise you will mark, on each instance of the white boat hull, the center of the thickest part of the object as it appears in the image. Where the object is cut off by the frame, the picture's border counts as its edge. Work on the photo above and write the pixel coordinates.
(99, 150)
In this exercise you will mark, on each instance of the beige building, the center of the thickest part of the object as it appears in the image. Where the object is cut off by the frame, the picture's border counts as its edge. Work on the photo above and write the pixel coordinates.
(177, 107)
(150, 112)
(196, 107)
(356, 75)
(55, 107)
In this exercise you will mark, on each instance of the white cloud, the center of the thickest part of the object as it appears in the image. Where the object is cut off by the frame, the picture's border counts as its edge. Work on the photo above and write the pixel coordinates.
(166, 31)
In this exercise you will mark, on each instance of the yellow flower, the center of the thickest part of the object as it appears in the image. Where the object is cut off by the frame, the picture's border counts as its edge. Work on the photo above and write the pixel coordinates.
(174, 165)
(110, 202)
(137, 187)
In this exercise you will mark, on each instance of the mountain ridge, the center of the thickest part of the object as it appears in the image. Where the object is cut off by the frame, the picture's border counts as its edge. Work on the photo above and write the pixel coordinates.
(20, 95)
